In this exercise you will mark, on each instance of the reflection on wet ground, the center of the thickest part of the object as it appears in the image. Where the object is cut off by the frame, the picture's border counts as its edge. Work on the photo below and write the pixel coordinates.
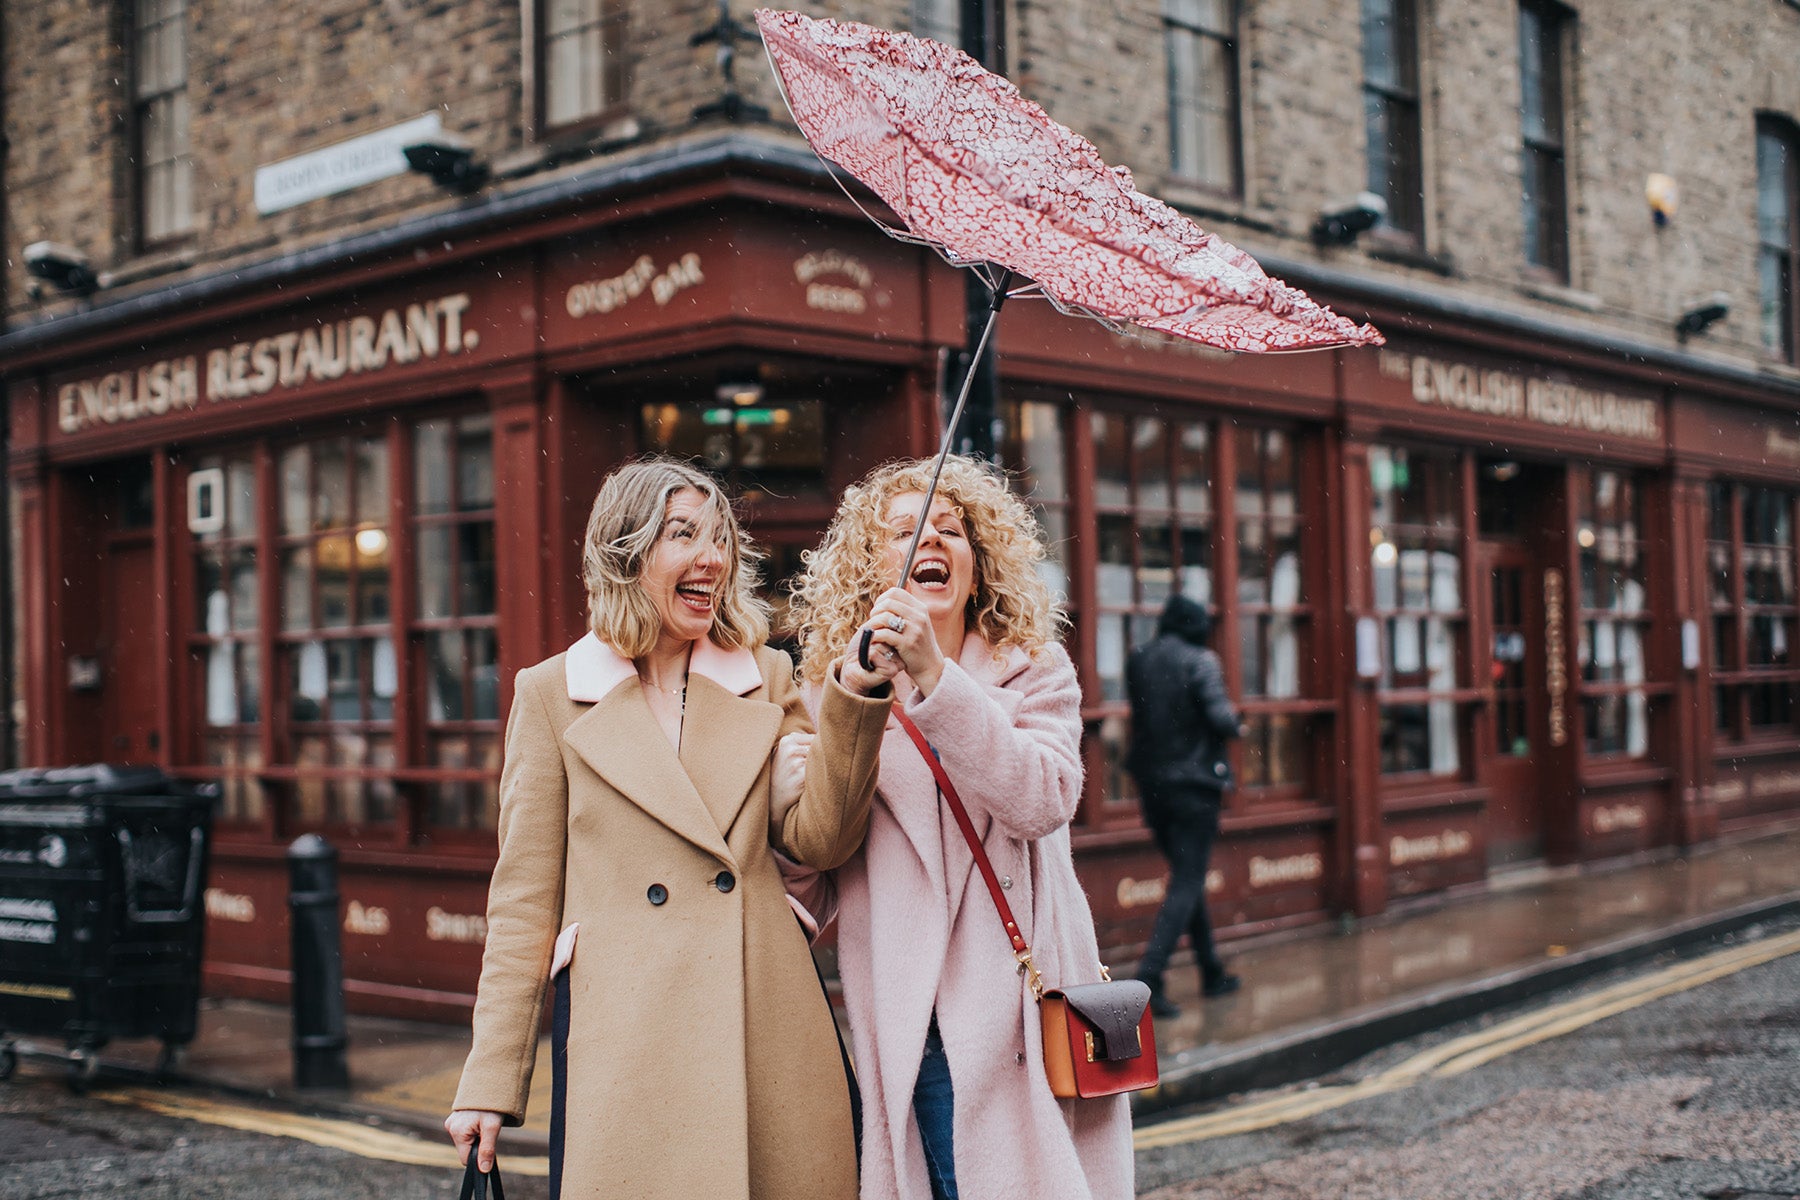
(1324, 974)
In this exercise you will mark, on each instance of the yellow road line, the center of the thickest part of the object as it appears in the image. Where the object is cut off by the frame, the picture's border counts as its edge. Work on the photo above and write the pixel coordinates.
(347, 1136)
(1472, 1050)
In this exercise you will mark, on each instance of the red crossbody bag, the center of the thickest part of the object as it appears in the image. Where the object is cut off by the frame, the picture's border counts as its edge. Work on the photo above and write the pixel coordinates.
(1098, 1037)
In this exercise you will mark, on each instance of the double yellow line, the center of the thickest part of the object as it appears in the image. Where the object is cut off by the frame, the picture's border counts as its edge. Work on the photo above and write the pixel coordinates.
(1466, 1053)
(333, 1134)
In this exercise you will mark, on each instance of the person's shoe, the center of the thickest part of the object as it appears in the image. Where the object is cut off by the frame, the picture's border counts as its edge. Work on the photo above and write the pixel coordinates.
(1160, 1004)
(1220, 985)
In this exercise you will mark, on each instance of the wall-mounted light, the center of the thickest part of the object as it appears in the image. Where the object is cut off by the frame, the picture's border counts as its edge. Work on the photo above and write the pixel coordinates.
(1663, 197)
(1340, 224)
(62, 267)
(1584, 537)
(1702, 314)
(449, 161)
(371, 543)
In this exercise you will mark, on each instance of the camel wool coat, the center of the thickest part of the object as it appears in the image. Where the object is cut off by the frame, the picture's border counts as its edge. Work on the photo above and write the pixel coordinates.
(918, 932)
(699, 1057)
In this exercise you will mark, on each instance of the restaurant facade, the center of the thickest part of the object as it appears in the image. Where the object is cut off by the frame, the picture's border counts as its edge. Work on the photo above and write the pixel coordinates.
(1491, 596)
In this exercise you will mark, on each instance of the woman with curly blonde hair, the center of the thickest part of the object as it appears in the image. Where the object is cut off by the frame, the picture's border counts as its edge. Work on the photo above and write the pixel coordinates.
(955, 1101)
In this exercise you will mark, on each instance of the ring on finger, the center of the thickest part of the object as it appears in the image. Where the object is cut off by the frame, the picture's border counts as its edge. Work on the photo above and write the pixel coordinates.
(889, 651)
(896, 622)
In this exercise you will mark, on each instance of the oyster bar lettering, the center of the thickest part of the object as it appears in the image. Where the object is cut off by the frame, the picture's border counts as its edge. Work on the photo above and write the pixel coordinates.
(320, 352)
(1488, 392)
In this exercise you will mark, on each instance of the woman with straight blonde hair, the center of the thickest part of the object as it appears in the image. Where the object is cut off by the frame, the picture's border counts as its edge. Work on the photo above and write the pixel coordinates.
(693, 1051)
(955, 1100)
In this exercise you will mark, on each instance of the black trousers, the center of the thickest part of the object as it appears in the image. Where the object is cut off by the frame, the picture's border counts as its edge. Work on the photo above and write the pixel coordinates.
(1184, 819)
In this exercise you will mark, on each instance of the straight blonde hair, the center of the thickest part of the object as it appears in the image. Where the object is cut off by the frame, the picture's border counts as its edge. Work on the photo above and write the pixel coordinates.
(622, 529)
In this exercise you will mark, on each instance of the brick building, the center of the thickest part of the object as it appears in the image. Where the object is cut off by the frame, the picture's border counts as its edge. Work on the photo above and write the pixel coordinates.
(300, 441)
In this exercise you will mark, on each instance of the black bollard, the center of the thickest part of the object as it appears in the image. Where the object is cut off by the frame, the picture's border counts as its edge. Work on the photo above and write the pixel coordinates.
(318, 987)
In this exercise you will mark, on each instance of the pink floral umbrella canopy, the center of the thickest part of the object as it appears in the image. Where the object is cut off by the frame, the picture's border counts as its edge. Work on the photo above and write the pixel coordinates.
(984, 175)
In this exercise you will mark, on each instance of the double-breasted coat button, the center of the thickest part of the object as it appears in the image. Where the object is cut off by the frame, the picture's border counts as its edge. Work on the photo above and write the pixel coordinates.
(1006, 882)
(725, 881)
(1019, 1058)
(657, 893)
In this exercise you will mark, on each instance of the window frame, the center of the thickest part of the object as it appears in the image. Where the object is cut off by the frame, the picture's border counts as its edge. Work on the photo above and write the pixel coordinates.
(615, 28)
(1733, 676)
(1230, 43)
(1462, 695)
(1402, 104)
(1649, 690)
(175, 93)
(1556, 27)
(1786, 259)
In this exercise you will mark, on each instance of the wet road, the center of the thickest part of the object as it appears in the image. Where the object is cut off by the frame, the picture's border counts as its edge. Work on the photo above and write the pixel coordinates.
(1676, 1080)
(1680, 1081)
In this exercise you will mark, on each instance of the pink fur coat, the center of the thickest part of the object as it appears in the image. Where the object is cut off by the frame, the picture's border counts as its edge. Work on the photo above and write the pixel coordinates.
(917, 930)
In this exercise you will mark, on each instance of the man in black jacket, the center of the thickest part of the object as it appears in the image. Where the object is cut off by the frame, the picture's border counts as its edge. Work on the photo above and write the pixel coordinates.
(1181, 718)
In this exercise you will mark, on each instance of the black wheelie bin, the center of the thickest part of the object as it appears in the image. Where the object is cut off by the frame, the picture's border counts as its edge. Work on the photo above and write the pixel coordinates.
(102, 908)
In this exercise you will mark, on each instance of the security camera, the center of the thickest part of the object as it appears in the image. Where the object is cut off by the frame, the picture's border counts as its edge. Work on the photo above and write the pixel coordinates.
(1703, 313)
(448, 160)
(1339, 224)
(63, 267)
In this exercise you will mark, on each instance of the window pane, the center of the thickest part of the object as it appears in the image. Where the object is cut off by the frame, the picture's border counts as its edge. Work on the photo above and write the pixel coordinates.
(296, 588)
(435, 562)
(431, 468)
(296, 490)
(243, 589)
(1151, 450)
(1112, 466)
(332, 581)
(1194, 484)
(475, 568)
(474, 463)
(371, 481)
(444, 669)
(331, 485)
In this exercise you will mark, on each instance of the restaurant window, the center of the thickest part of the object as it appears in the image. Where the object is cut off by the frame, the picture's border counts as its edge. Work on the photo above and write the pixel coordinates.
(1391, 121)
(338, 665)
(1614, 617)
(164, 169)
(752, 442)
(454, 617)
(1416, 548)
(1778, 235)
(1272, 611)
(581, 61)
(1544, 34)
(1153, 508)
(1201, 40)
(225, 640)
(1034, 454)
(940, 20)
(1755, 608)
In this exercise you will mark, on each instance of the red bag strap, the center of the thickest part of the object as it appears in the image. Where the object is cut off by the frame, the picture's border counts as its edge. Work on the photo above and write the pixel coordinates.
(1021, 948)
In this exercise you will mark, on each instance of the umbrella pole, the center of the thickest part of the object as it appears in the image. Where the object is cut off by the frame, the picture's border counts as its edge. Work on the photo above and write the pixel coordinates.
(995, 299)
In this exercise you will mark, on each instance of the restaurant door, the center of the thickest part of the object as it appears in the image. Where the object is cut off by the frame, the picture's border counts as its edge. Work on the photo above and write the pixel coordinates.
(1516, 505)
(1508, 741)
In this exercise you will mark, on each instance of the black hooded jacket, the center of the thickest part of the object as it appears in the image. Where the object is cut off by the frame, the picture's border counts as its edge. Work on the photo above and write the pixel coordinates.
(1181, 716)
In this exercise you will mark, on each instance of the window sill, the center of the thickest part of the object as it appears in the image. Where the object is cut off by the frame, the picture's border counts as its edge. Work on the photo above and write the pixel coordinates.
(557, 147)
(1403, 252)
(1756, 747)
(1408, 795)
(1603, 773)
(1556, 293)
(1196, 201)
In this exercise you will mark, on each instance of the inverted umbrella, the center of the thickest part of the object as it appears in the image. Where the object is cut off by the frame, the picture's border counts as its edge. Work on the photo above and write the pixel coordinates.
(984, 176)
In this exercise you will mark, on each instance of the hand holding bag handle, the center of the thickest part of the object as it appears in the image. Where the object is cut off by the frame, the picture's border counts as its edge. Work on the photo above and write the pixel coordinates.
(1098, 1037)
(475, 1181)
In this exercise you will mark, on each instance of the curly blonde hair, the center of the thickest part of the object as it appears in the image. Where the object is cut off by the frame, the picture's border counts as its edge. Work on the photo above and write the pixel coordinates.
(623, 528)
(1010, 604)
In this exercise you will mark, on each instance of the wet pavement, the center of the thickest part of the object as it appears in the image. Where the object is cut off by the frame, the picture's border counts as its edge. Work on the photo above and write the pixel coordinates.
(1311, 1000)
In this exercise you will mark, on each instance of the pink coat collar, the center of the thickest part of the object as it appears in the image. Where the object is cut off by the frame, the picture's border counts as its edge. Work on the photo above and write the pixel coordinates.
(591, 668)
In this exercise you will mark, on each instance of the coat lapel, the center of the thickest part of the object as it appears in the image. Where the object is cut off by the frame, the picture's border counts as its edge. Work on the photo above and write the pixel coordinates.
(619, 738)
(726, 745)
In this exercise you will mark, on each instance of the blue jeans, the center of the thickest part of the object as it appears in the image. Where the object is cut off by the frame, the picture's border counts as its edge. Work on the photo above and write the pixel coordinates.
(934, 1106)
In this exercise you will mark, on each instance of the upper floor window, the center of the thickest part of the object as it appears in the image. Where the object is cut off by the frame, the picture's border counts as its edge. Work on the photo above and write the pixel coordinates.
(581, 61)
(1544, 31)
(1391, 111)
(1202, 41)
(940, 20)
(164, 170)
(1778, 235)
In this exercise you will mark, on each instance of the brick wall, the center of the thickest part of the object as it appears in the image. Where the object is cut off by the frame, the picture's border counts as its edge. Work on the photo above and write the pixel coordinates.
(271, 80)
